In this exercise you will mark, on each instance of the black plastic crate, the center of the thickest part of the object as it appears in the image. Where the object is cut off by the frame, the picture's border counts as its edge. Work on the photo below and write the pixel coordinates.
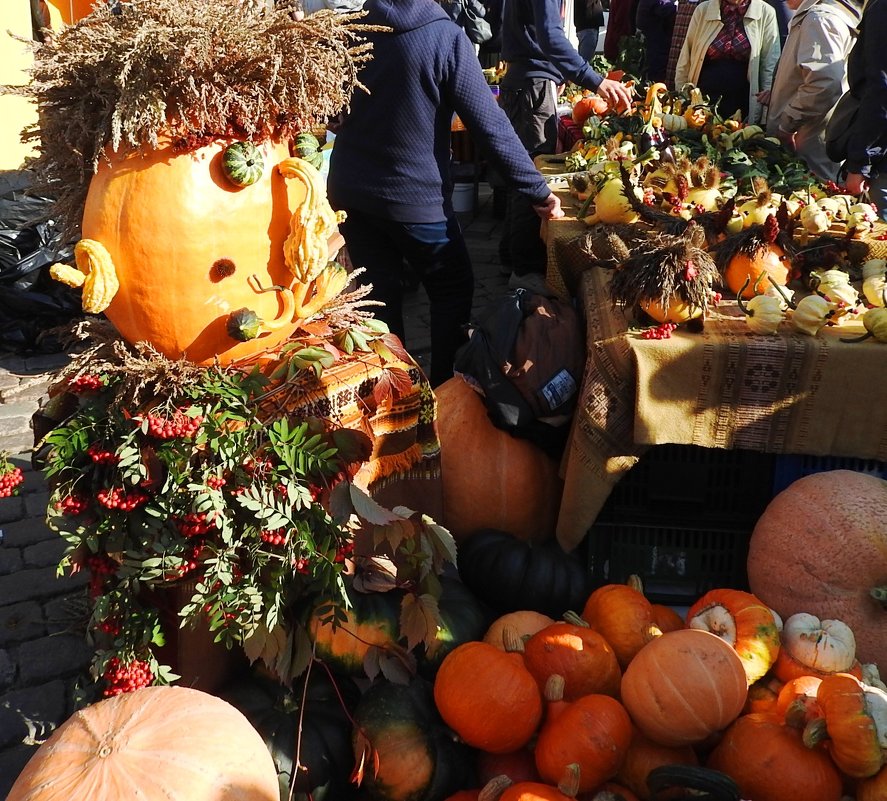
(790, 468)
(677, 564)
(686, 482)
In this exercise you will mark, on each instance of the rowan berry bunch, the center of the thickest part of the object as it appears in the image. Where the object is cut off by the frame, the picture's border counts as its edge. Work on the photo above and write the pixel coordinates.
(11, 477)
(662, 331)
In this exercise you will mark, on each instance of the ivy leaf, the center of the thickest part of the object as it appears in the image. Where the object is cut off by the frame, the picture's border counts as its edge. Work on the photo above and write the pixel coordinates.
(392, 341)
(368, 509)
(367, 758)
(419, 619)
(397, 665)
(264, 644)
(393, 533)
(371, 661)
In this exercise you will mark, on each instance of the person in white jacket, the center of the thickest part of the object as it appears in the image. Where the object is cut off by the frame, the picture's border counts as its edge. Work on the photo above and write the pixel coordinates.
(812, 76)
(730, 52)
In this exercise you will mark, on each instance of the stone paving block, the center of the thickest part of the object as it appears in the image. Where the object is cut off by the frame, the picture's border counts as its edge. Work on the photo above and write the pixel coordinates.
(7, 670)
(44, 554)
(27, 585)
(10, 560)
(53, 656)
(12, 364)
(35, 504)
(68, 614)
(21, 621)
(25, 390)
(46, 362)
(31, 715)
(12, 509)
(12, 762)
(27, 531)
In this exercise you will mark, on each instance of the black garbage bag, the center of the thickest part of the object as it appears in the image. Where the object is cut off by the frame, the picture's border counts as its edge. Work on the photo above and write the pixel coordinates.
(31, 302)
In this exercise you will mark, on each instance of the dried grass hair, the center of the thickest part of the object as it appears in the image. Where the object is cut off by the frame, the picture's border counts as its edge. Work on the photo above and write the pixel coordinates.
(658, 271)
(133, 72)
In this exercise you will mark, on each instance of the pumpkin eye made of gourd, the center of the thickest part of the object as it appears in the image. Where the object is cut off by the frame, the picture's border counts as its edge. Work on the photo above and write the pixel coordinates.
(243, 163)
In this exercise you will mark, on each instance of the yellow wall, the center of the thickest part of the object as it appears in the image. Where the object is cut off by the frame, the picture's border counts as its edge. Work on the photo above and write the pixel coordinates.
(15, 59)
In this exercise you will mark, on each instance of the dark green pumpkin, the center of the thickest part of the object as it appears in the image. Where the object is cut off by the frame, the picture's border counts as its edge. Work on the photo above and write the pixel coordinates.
(373, 621)
(325, 749)
(512, 575)
(408, 752)
(462, 618)
(307, 146)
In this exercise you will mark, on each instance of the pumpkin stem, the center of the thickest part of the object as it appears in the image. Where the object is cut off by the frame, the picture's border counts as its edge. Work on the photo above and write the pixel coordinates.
(815, 732)
(494, 788)
(860, 338)
(880, 595)
(634, 581)
(742, 307)
(569, 784)
(512, 641)
(554, 688)
(571, 617)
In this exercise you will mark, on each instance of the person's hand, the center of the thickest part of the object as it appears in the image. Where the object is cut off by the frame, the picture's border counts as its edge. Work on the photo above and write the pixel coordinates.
(856, 183)
(763, 97)
(550, 209)
(617, 94)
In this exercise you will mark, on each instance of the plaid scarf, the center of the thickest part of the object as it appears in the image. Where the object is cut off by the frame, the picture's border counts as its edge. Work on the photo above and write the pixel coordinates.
(731, 42)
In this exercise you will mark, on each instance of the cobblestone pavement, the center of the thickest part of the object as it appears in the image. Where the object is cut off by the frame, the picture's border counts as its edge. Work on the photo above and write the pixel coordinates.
(43, 651)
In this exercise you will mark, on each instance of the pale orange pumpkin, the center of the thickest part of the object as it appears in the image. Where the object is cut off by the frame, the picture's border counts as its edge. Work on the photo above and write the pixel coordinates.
(489, 478)
(770, 762)
(168, 743)
(838, 521)
(743, 622)
(185, 241)
(524, 623)
(684, 686)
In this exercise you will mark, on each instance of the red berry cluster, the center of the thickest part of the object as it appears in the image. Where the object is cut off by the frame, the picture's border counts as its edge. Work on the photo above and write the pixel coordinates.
(315, 491)
(10, 480)
(179, 426)
(120, 499)
(101, 455)
(302, 565)
(99, 565)
(85, 383)
(344, 552)
(277, 537)
(72, 505)
(191, 560)
(194, 524)
(110, 626)
(124, 677)
(659, 332)
(215, 482)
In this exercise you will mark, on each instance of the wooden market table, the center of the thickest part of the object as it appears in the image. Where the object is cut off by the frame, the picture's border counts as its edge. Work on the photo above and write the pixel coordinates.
(723, 387)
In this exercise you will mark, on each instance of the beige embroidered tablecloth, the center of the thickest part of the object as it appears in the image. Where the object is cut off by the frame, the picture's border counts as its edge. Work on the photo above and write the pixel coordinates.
(723, 387)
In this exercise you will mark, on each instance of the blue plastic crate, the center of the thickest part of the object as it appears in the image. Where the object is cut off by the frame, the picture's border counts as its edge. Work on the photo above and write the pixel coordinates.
(789, 468)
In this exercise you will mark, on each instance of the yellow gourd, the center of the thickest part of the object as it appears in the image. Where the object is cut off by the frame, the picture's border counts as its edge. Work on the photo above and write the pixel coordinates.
(612, 206)
(95, 273)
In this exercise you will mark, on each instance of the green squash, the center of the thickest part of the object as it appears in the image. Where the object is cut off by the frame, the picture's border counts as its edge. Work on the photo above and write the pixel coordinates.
(242, 163)
(407, 751)
(462, 618)
(325, 749)
(307, 146)
(512, 575)
(373, 621)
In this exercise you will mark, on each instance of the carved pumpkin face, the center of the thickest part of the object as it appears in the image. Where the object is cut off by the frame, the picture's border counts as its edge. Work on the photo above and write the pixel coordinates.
(190, 247)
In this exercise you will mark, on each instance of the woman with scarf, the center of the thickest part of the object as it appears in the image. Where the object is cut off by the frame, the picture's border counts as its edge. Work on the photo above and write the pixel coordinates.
(812, 76)
(730, 53)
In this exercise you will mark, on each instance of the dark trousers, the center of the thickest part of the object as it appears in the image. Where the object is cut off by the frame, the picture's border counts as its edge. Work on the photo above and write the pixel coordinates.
(532, 110)
(437, 254)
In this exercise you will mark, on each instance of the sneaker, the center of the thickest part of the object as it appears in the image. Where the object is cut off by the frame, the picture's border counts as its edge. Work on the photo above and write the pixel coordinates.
(533, 282)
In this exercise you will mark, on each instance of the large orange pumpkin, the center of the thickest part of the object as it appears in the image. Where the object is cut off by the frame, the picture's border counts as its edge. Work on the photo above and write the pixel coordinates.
(684, 686)
(491, 479)
(164, 743)
(820, 547)
(643, 755)
(185, 242)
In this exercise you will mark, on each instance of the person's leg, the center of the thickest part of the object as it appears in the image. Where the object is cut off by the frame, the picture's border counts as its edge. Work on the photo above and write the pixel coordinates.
(372, 245)
(878, 193)
(588, 42)
(438, 254)
(532, 111)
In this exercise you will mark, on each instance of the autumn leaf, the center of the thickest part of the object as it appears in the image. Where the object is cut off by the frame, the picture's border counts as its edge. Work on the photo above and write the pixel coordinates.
(263, 644)
(419, 619)
(369, 510)
(396, 347)
(365, 753)
(395, 382)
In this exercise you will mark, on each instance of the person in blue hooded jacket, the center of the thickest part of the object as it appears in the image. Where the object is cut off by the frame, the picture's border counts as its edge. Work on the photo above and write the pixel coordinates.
(390, 166)
(866, 163)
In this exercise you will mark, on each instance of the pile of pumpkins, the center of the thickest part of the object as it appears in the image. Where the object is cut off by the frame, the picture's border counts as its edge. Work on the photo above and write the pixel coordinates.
(616, 700)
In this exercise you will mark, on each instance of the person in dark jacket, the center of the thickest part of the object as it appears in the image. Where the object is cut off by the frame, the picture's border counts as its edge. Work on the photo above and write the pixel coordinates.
(588, 19)
(390, 166)
(655, 19)
(539, 57)
(866, 163)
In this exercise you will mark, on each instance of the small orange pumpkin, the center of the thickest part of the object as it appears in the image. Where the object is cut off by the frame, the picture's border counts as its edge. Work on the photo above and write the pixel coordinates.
(684, 686)
(643, 755)
(586, 106)
(185, 241)
(524, 623)
(488, 697)
(171, 743)
(768, 262)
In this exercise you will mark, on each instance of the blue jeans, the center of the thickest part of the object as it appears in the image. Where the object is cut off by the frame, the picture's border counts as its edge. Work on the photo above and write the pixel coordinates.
(437, 254)
(878, 192)
(588, 42)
